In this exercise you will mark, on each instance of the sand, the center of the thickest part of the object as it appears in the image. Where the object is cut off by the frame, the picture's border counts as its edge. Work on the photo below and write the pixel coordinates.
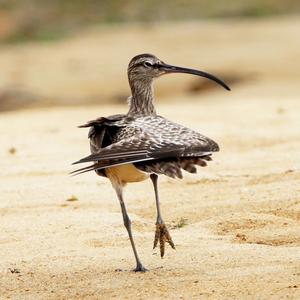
(235, 224)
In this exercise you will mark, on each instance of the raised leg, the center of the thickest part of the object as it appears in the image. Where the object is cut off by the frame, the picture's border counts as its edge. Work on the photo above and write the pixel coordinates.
(161, 233)
(127, 224)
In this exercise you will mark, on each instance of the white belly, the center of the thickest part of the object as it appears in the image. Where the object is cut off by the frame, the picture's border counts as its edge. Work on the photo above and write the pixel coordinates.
(125, 174)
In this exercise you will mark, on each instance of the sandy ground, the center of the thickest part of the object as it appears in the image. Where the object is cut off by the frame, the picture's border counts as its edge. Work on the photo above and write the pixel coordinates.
(241, 236)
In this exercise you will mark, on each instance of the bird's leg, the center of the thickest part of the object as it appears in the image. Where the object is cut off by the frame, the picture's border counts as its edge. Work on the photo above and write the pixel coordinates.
(161, 233)
(127, 223)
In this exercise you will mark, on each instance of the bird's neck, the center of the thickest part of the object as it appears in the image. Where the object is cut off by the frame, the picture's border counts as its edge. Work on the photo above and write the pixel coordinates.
(141, 101)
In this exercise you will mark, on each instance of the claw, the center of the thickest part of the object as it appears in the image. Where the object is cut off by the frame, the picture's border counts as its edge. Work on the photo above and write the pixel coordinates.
(162, 235)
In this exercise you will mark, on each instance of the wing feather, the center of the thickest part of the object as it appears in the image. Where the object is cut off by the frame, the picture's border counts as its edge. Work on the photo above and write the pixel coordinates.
(129, 151)
(156, 138)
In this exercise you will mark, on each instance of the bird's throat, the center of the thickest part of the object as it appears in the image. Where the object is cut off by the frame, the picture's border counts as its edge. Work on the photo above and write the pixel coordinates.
(141, 101)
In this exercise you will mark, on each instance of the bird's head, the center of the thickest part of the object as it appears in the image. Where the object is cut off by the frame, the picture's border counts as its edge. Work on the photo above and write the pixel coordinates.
(145, 67)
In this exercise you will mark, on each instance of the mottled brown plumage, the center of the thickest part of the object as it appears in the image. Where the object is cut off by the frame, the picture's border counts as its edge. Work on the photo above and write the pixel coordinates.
(141, 144)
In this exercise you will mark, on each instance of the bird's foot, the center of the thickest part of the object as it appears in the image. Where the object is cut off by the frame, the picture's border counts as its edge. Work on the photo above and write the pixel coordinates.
(162, 235)
(140, 268)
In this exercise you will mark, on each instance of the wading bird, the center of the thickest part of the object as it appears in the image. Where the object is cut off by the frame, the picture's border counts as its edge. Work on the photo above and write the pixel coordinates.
(140, 144)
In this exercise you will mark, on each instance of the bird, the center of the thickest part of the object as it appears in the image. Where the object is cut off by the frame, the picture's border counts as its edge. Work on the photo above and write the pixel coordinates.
(141, 144)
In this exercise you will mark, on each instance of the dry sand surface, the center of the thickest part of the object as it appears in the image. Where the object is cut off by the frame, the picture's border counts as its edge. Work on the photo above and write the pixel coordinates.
(241, 232)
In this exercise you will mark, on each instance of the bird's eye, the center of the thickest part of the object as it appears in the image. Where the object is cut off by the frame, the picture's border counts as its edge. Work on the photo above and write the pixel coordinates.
(147, 64)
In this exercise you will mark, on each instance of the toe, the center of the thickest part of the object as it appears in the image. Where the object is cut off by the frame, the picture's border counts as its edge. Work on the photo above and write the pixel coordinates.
(162, 235)
(140, 268)
(156, 238)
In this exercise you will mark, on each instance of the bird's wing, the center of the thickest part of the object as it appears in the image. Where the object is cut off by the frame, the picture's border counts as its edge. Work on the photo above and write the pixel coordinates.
(102, 130)
(143, 147)
(108, 121)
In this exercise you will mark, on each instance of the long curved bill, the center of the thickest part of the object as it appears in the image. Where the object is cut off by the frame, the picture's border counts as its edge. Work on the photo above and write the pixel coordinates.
(173, 69)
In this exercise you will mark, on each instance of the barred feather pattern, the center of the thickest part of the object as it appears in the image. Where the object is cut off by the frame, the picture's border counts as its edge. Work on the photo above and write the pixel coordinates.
(173, 167)
(152, 143)
(163, 132)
